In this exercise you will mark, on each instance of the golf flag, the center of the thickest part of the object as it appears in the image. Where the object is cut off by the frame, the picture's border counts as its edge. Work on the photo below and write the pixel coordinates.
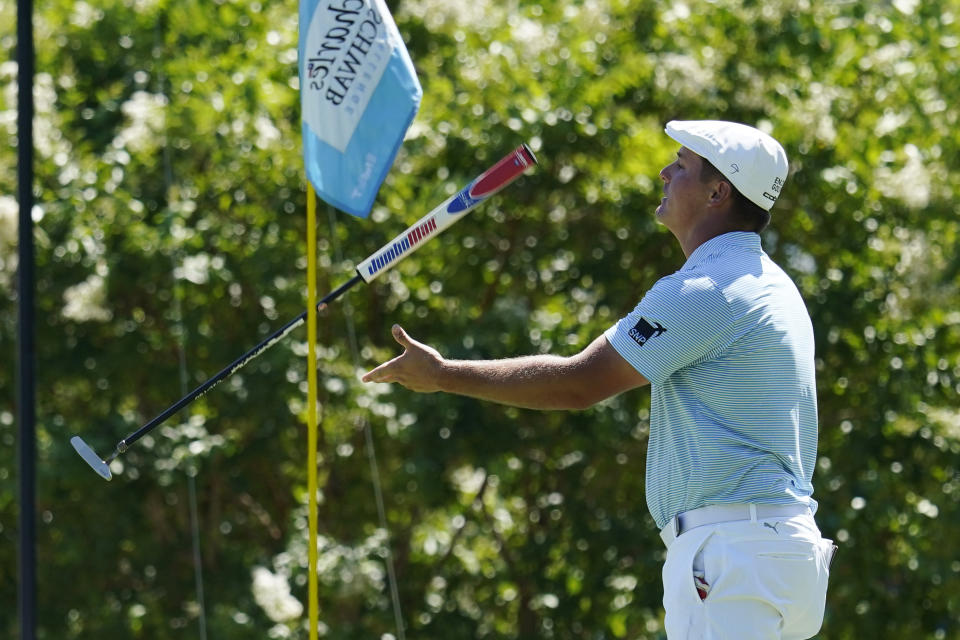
(358, 94)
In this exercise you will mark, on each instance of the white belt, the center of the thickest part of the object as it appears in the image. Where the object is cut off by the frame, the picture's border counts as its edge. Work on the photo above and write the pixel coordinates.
(715, 514)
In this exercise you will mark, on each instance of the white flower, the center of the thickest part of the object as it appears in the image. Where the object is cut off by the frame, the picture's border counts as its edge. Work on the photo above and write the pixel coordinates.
(146, 115)
(86, 301)
(272, 592)
(912, 184)
(195, 268)
(267, 133)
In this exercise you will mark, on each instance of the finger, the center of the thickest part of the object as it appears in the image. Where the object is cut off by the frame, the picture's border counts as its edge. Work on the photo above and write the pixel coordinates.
(377, 375)
(401, 336)
(382, 373)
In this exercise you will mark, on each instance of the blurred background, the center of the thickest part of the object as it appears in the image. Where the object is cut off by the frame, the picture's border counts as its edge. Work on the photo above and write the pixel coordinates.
(170, 239)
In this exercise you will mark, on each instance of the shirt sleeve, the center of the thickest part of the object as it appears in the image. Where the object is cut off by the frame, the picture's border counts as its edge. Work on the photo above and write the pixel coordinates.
(679, 320)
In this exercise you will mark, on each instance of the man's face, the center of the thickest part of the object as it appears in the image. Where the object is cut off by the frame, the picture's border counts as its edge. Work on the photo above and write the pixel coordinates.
(685, 195)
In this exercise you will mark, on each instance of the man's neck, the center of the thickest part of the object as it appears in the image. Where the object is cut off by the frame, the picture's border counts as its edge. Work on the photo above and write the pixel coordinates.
(710, 227)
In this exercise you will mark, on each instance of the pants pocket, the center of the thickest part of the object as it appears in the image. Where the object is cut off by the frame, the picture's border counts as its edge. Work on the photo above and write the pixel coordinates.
(681, 601)
(793, 578)
(699, 572)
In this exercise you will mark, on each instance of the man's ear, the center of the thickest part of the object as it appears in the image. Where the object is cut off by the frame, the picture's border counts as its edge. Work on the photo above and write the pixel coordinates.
(722, 192)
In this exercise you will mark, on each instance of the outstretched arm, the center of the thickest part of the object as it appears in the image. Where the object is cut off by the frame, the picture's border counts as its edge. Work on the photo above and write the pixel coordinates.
(532, 382)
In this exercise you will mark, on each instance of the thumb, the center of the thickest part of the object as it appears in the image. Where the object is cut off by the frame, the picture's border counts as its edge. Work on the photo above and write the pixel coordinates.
(401, 336)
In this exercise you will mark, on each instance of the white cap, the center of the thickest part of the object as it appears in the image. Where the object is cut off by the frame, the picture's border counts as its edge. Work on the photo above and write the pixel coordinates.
(751, 160)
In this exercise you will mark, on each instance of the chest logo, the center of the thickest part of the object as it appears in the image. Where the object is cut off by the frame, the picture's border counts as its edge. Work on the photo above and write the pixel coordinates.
(643, 331)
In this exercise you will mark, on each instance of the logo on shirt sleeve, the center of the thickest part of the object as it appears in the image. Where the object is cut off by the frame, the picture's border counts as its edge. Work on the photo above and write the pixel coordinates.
(643, 331)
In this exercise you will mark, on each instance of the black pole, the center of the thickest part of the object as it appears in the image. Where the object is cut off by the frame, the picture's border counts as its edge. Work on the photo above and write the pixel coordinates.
(26, 353)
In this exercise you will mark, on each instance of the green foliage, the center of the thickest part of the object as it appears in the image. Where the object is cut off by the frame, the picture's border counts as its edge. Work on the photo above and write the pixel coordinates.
(172, 239)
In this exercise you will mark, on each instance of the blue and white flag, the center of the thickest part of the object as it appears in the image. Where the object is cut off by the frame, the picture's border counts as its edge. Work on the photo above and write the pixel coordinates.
(358, 94)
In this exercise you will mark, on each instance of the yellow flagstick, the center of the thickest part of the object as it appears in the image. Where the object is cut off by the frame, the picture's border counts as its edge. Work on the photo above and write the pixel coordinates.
(313, 605)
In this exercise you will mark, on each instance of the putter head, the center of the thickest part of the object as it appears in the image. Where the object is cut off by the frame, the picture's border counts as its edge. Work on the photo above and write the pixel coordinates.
(91, 458)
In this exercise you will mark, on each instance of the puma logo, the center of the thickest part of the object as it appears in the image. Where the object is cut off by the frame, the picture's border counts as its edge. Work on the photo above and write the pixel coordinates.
(772, 526)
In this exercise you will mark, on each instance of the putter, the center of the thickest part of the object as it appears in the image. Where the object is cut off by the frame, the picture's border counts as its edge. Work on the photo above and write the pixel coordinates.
(102, 467)
(501, 174)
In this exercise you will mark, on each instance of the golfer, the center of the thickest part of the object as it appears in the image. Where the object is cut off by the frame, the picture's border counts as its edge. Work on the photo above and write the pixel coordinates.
(726, 345)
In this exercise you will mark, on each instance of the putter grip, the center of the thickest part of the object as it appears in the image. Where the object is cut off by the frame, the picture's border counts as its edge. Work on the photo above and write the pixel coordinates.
(508, 169)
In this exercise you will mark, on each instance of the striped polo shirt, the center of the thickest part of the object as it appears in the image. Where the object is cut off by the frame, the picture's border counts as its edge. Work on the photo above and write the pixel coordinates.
(727, 345)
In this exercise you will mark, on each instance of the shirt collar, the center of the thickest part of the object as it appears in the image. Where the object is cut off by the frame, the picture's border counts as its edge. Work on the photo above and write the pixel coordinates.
(745, 241)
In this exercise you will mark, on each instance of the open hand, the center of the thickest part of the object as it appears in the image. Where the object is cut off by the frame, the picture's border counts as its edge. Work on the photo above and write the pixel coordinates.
(418, 368)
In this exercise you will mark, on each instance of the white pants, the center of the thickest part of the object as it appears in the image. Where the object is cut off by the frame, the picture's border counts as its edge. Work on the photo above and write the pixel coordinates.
(765, 580)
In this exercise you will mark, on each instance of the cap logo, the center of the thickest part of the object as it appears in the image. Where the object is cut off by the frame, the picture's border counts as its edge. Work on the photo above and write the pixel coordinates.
(734, 167)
